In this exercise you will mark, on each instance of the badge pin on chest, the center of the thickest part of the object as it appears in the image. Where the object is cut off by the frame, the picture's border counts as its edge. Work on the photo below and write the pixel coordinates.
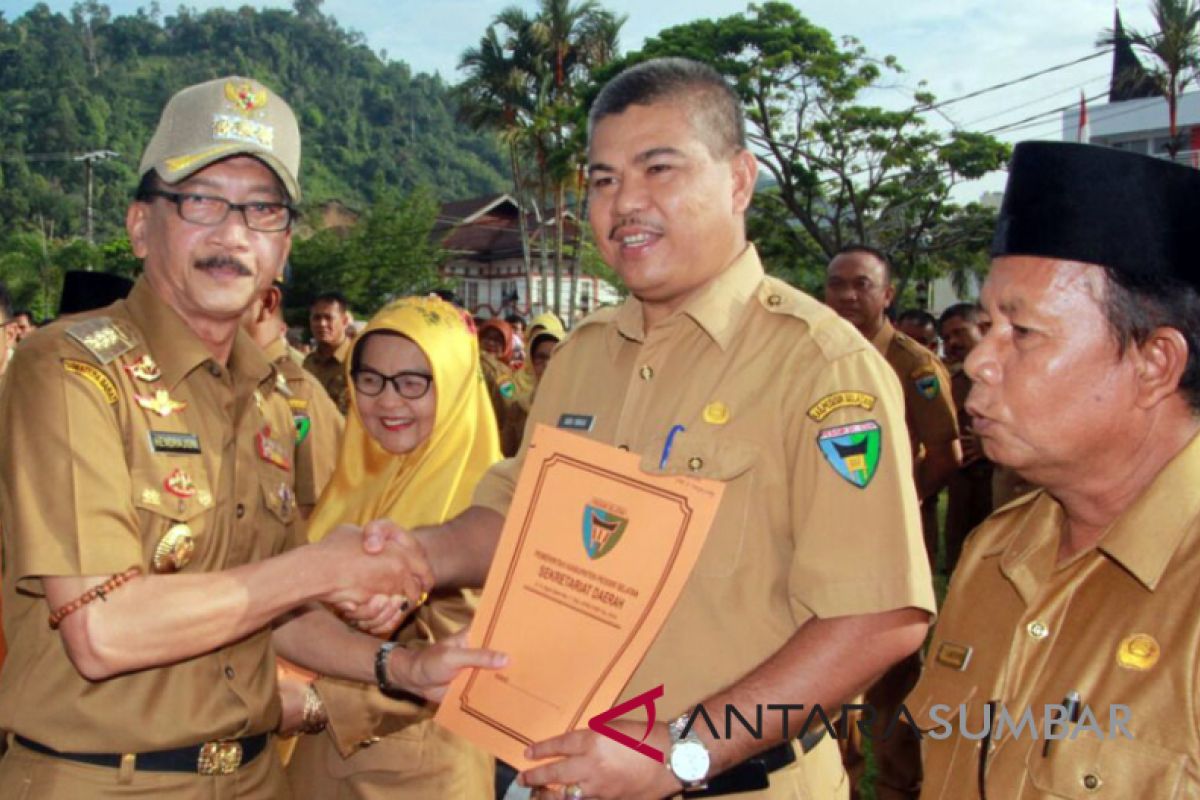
(271, 451)
(180, 484)
(161, 403)
(144, 370)
(716, 413)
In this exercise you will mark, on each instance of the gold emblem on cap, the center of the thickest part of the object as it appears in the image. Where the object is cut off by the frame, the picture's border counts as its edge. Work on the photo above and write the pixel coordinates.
(174, 549)
(716, 413)
(246, 97)
(1138, 652)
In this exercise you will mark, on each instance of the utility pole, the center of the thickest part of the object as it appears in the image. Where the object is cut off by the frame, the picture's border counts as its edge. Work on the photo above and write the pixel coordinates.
(88, 160)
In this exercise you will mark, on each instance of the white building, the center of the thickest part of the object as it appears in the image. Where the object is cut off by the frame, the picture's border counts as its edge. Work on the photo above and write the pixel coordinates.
(486, 259)
(1136, 117)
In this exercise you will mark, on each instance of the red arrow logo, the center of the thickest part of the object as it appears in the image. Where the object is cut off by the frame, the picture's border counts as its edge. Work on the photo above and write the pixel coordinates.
(599, 723)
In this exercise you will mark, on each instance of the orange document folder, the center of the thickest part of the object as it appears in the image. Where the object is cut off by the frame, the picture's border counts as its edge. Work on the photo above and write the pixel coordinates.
(593, 556)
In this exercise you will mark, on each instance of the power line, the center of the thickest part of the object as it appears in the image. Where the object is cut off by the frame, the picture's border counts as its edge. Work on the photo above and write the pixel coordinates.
(1037, 120)
(1013, 82)
(1070, 89)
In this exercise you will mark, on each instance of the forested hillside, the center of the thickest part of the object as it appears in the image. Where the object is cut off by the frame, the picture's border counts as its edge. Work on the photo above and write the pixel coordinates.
(71, 85)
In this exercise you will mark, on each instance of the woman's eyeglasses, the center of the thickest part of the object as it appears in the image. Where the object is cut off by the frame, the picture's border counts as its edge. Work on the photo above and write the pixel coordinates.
(409, 385)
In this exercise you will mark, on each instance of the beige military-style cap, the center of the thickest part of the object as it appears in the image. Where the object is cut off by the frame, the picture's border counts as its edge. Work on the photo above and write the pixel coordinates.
(225, 117)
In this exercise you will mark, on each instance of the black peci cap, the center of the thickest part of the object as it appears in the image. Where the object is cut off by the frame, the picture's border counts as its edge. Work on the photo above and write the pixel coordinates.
(83, 291)
(1135, 214)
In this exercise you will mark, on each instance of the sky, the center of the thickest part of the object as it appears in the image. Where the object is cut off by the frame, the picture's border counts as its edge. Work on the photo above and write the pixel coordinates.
(954, 46)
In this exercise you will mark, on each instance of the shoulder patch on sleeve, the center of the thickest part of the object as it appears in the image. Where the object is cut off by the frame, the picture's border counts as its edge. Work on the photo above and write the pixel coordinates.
(95, 376)
(925, 378)
(101, 337)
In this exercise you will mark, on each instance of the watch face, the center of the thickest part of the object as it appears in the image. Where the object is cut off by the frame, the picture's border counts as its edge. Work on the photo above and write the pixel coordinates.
(689, 761)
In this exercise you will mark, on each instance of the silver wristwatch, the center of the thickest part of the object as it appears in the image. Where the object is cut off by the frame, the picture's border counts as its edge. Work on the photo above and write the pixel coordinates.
(688, 758)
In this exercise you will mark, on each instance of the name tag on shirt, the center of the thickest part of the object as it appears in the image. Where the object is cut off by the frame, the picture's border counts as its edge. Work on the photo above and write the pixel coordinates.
(576, 422)
(174, 443)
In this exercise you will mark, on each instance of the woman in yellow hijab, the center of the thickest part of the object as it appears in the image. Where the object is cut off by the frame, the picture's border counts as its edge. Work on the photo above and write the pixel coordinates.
(419, 436)
(526, 379)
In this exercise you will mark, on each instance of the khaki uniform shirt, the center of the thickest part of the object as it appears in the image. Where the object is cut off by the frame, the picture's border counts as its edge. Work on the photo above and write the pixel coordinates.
(1116, 624)
(331, 373)
(766, 380)
(91, 481)
(318, 424)
(928, 404)
(970, 488)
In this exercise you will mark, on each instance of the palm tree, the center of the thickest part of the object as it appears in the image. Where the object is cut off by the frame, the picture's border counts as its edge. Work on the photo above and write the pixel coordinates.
(1174, 48)
(524, 81)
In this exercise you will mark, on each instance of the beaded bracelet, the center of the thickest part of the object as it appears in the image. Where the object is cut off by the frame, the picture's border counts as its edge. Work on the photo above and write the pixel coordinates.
(91, 594)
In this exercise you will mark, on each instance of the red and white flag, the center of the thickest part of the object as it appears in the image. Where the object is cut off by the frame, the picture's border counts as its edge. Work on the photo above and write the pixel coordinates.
(1083, 133)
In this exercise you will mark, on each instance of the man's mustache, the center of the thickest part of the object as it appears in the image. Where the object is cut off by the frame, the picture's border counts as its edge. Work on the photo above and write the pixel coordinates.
(223, 262)
(633, 222)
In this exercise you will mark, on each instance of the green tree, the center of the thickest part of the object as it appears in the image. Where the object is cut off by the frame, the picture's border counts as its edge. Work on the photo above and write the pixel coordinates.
(844, 171)
(1174, 49)
(389, 253)
(524, 81)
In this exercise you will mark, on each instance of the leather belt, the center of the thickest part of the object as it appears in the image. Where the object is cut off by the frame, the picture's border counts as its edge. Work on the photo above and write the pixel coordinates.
(211, 758)
(753, 774)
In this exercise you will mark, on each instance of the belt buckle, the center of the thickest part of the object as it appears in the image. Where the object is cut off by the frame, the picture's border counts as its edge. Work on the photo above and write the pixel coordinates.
(220, 758)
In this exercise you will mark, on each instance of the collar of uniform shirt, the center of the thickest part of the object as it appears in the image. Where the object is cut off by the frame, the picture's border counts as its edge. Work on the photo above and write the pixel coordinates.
(177, 350)
(718, 308)
(1142, 540)
(1148, 534)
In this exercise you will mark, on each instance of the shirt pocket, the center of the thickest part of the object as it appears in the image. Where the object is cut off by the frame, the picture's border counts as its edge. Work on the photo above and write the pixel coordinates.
(1089, 767)
(945, 703)
(278, 493)
(175, 503)
(729, 461)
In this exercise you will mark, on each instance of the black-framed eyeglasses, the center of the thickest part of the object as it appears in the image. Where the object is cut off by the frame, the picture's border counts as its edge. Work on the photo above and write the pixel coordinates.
(210, 210)
(408, 384)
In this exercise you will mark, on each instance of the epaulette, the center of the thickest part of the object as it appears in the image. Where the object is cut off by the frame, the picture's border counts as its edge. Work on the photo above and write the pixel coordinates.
(833, 335)
(102, 337)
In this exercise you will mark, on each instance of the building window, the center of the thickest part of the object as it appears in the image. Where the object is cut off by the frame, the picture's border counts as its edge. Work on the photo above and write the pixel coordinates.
(471, 294)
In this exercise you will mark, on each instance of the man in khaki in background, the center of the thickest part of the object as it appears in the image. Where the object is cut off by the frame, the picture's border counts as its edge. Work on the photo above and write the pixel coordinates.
(970, 489)
(329, 321)
(812, 580)
(1082, 595)
(148, 455)
(318, 424)
(858, 286)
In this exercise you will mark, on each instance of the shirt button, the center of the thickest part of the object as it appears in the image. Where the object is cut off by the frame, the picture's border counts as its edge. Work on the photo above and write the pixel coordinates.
(241, 510)
(1038, 630)
(1091, 782)
(774, 300)
(695, 463)
(229, 673)
(214, 369)
(647, 372)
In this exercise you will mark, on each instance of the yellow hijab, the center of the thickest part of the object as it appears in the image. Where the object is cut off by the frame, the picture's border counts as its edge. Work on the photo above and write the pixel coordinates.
(525, 378)
(435, 481)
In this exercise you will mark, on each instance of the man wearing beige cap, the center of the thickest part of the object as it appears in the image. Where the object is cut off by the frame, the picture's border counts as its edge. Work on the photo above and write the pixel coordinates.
(151, 538)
